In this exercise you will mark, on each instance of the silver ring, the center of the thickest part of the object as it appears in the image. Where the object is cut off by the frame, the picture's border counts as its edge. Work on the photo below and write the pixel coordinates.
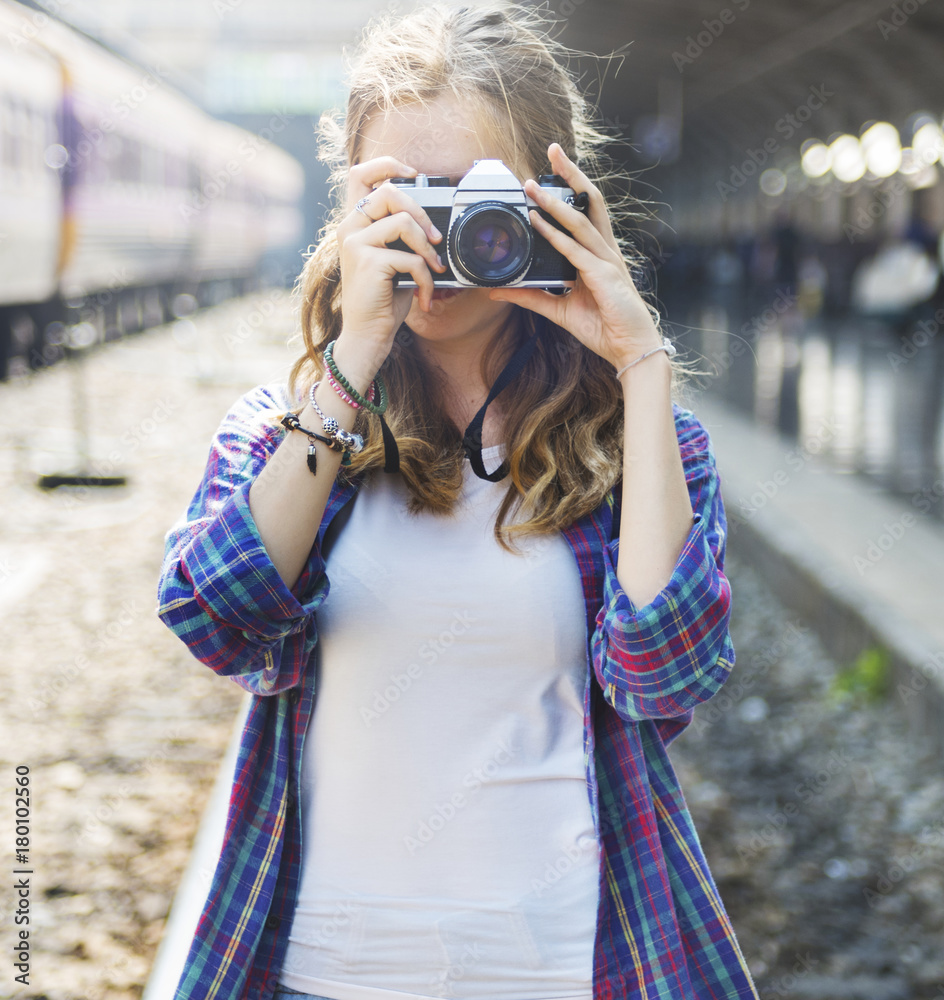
(359, 207)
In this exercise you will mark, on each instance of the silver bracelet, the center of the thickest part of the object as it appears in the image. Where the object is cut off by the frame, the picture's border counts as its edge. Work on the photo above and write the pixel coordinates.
(348, 439)
(667, 346)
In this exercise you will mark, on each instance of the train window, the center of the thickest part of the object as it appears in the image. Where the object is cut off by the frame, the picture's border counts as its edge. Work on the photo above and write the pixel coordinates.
(106, 158)
(52, 131)
(111, 147)
(152, 165)
(17, 133)
(94, 165)
(37, 141)
(9, 131)
(28, 143)
(176, 171)
(130, 163)
(171, 170)
(4, 133)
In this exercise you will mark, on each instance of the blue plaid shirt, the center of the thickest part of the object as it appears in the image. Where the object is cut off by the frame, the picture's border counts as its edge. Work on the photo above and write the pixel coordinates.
(662, 932)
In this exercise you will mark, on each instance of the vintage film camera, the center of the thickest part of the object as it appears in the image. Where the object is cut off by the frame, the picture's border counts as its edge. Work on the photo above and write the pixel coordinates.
(489, 241)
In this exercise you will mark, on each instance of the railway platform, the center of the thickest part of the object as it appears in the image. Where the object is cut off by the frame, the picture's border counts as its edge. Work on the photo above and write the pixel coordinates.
(866, 567)
(127, 736)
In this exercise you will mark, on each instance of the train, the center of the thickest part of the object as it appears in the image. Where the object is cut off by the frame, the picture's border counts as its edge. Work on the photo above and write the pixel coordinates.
(119, 195)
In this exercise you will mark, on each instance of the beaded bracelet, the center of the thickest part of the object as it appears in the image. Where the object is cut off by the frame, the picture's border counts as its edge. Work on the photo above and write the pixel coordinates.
(350, 441)
(336, 385)
(345, 398)
(379, 407)
(291, 421)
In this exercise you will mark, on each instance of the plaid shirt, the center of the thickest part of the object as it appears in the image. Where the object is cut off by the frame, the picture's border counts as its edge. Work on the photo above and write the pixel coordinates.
(662, 931)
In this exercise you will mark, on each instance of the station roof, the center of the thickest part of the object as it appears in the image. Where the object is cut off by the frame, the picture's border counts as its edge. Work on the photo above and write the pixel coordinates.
(733, 70)
(700, 83)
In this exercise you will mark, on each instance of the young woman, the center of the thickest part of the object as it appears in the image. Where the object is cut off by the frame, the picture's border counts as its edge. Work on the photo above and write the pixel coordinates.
(467, 652)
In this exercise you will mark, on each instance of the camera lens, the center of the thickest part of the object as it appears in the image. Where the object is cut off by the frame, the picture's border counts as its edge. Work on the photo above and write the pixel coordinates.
(491, 244)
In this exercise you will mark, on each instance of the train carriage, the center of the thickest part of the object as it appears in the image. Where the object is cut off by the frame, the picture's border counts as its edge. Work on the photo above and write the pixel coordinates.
(116, 191)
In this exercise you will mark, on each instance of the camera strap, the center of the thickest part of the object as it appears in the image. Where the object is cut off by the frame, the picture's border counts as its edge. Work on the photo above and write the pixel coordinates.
(472, 439)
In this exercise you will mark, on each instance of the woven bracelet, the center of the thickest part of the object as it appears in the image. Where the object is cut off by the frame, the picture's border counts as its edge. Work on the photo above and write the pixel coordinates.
(379, 407)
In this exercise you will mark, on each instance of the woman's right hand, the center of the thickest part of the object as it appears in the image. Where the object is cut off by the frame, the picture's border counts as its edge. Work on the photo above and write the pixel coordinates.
(372, 307)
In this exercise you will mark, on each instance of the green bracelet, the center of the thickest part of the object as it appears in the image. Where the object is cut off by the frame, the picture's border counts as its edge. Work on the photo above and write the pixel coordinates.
(377, 408)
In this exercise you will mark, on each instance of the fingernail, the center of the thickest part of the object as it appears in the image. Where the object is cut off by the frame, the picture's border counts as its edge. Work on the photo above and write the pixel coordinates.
(436, 234)
(439, 258)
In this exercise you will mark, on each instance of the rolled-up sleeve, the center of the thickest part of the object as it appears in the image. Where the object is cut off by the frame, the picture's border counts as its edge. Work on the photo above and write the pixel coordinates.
(660, 660)
(219, 591)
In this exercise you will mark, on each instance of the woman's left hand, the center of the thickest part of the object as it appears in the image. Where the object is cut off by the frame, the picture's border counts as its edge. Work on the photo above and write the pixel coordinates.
(603, 310)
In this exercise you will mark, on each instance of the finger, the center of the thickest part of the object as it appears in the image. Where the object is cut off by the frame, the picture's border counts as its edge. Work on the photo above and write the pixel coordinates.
(389, 229)
(580, 227)
(578, 181)
(362, 177)
(388, 198)
(415, 266)
(387, 263)
(536, 299)
(580, 256)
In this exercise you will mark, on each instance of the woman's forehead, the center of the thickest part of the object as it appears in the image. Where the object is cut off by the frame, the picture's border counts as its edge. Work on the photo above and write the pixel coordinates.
(443, 137)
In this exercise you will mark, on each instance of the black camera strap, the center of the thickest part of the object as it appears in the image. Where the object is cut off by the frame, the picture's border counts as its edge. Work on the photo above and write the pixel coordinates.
(472, 439)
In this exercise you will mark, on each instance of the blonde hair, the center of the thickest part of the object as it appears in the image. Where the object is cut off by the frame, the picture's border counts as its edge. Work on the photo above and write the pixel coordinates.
(563, 416)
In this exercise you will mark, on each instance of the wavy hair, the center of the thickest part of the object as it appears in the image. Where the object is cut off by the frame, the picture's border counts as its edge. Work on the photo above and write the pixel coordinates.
(563, 415)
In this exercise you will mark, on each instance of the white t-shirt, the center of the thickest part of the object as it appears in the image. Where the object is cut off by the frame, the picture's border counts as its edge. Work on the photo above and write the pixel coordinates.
(448, 847)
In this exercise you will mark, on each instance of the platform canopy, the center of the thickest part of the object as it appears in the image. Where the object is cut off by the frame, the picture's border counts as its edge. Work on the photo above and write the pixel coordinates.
(703, 81)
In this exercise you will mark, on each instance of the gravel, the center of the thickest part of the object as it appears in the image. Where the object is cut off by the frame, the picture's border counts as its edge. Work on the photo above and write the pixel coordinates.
(823, 826)
(822, 820)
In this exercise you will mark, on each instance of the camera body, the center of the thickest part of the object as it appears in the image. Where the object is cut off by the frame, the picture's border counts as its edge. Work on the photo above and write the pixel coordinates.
(489, 240)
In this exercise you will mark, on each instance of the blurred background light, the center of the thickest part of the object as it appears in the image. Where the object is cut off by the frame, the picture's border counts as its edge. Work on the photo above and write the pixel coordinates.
(773, 182)
(847, 161)
(815, 158)
(928, 143)
(881, 147)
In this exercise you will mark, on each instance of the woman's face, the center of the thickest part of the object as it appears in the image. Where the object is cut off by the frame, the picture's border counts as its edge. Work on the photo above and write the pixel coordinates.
(440, 138)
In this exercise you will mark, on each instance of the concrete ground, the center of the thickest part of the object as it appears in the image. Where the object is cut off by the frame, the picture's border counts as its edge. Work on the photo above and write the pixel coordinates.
(866, 567)
(822, 820)
(122, 730)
